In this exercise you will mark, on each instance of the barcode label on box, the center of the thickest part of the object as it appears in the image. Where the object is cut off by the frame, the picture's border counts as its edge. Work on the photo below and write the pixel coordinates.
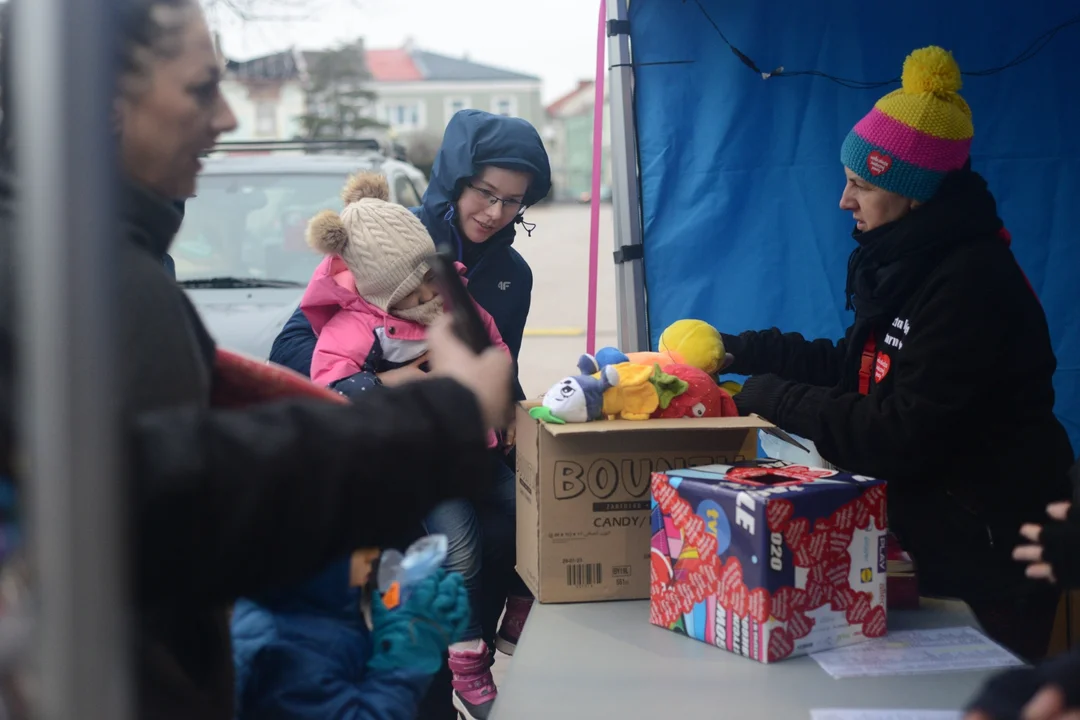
(583, 575)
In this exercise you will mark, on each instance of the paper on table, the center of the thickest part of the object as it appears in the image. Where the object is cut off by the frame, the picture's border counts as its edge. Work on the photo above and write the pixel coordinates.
(847, 714)
(910, 652)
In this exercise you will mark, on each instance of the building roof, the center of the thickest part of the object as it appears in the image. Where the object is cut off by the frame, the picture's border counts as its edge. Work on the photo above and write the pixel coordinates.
(579, 101)
(283, 65)
(565, 100)
(392, 66)
(435, 67)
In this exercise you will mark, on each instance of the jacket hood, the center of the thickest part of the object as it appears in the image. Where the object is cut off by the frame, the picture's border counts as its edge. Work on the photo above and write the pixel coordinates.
(474, 139)
(327, 593)
(332, 288)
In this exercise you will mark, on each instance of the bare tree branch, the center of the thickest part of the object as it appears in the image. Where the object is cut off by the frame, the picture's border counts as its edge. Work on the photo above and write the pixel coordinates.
(270, 10)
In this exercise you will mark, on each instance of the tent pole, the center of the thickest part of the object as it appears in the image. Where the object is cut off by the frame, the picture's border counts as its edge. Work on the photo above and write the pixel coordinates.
(64, 80)
(630, 307)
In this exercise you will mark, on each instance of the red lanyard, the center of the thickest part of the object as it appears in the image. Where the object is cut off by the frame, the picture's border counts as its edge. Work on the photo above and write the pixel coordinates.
(866, 367)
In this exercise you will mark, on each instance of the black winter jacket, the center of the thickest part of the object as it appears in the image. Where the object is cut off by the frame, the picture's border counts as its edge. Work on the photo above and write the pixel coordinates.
(958, 416)
(233, 503)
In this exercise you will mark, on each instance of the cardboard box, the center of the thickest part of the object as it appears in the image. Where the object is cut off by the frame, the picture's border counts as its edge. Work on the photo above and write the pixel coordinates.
(583, 497)
(769, 560)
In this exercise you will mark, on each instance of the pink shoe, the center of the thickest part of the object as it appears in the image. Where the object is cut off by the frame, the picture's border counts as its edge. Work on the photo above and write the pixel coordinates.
(517, 611)
(474, 688)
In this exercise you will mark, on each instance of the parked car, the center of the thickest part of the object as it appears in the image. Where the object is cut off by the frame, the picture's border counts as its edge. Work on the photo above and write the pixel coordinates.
(241, 253)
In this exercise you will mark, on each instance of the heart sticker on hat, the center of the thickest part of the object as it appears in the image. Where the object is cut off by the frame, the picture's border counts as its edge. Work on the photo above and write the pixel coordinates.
(878, 163)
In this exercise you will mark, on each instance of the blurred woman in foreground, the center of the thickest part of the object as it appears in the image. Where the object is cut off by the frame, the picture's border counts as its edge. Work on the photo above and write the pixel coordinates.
(230, 503)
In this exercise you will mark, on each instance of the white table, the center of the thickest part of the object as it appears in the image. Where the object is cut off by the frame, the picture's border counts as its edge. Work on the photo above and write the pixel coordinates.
(604, 660)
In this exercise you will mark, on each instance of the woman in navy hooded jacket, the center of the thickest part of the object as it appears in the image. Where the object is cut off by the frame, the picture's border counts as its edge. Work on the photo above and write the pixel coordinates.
(488, 170)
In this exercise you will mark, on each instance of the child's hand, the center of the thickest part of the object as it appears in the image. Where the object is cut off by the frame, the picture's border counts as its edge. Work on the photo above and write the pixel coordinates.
(416, 635)
(510, 437)
(405, 373)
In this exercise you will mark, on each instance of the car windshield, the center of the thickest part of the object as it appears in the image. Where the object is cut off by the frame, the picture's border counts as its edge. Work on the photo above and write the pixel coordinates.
(251, 227)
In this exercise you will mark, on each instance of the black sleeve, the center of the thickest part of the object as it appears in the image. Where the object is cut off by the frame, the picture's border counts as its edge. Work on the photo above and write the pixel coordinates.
(295, 344)
(789, 356)
(228, 503)
(956, 348)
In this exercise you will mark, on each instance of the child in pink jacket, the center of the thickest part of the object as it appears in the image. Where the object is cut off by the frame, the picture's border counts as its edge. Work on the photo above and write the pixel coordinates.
(370, 302)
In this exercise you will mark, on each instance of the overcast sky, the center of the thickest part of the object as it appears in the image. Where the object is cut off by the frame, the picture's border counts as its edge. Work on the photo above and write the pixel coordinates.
(557, 43)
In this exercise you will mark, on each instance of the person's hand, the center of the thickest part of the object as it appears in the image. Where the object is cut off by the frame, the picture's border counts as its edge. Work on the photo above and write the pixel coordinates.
(1048, 690)
(510, 437)
(727, 362)
(488, 375)
(416, 635)
(1047, 704)
(1032, 553)
(405, 373)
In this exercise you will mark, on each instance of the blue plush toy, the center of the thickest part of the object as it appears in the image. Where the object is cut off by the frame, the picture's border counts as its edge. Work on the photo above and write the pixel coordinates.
(610, 356)
(578, 398)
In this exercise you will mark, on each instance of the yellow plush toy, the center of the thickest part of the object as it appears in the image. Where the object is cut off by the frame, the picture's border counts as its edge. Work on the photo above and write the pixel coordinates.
(638, 392)
(634, 398)
(698, 342)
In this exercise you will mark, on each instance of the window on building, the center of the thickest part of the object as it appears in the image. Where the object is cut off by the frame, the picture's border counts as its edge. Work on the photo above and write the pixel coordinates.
(504, 106)
(266, 118)
(404, 115)
(455, 105)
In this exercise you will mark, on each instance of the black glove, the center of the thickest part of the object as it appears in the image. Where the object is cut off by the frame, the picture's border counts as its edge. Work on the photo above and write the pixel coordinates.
(1004, 696)
(761, 395)
(733, 346)
(1060, 542)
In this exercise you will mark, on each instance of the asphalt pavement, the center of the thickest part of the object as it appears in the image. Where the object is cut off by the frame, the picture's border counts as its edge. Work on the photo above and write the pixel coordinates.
(558, 253)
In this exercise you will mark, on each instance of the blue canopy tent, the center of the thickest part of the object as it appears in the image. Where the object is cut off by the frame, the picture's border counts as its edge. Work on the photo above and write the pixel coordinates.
(739, 176)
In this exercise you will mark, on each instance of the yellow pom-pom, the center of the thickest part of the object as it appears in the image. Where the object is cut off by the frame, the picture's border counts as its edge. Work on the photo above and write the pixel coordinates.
(931, 70)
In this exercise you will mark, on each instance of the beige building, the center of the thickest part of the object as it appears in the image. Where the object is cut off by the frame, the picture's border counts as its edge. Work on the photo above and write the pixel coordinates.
(416, 92)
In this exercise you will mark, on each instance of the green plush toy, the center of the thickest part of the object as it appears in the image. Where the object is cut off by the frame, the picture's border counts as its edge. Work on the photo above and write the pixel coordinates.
(668, 387)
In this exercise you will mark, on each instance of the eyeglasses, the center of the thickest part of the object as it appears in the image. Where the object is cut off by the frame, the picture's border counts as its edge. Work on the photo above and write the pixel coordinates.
(516, 205)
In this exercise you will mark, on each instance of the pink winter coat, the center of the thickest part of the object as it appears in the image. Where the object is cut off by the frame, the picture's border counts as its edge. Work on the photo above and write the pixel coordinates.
(346, 325)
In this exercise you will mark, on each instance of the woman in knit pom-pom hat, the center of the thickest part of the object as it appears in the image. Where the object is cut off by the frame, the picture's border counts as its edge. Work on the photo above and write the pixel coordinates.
(943, 384)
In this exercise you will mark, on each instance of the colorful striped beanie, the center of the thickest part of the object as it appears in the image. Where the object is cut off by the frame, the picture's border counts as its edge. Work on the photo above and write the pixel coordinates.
(917, 134)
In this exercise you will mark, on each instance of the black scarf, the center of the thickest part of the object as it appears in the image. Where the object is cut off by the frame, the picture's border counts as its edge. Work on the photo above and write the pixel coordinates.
(892, 261)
